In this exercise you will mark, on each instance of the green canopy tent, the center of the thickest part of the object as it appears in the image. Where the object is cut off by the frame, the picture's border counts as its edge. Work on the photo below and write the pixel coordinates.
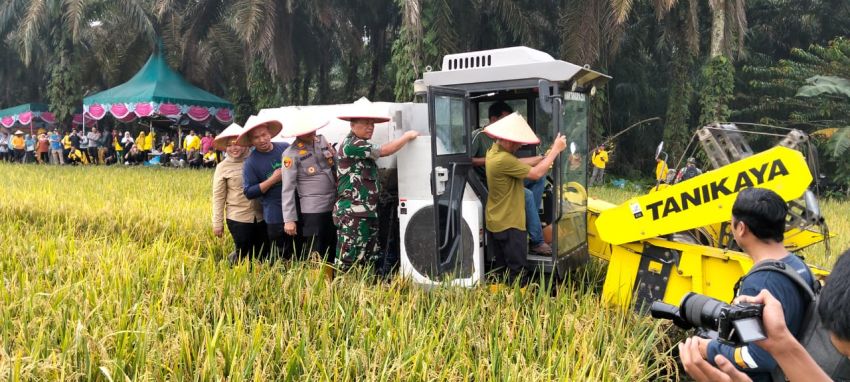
(157, 90)
(25, 115)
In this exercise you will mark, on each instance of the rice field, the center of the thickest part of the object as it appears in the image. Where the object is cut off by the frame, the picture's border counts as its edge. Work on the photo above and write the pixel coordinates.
(113, 274)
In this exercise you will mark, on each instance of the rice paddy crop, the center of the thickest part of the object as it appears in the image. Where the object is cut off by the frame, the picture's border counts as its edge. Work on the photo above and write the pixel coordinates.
(113, 274)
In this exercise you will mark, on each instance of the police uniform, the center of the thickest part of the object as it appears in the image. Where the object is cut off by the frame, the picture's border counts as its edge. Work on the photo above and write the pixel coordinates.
(308, 170)
(356, 209)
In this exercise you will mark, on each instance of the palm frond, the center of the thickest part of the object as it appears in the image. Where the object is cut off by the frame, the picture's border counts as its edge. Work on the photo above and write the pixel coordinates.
(621, 9)
(663, 7)
(825, 85)
(134, 13)
(9, 13)
(73, 17)
(30, 25)
(841, 142)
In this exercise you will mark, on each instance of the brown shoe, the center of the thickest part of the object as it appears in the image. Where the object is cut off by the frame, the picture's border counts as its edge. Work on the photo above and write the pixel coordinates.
(542, 249)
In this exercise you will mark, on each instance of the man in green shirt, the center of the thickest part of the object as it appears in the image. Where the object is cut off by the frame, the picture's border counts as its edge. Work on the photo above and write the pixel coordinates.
(481, 143)
(504, 218)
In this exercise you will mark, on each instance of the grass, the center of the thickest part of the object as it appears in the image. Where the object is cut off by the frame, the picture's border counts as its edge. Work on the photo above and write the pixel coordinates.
(114, 274)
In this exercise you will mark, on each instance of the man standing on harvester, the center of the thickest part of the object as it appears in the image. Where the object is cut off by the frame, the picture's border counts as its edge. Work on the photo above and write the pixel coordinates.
(505, 211)
(481, 143)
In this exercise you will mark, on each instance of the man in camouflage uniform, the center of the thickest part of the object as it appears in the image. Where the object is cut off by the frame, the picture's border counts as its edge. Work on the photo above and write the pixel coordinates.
(358, 189)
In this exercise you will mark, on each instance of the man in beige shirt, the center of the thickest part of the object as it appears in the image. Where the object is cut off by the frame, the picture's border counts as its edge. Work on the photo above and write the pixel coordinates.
(244, 217)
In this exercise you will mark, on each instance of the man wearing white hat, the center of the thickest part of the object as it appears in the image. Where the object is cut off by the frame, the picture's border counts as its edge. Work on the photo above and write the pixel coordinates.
(309, 171)
(358, 189)
(481, 143)
(505, 210)
(244, 217)
(261, 176)
(18, 145)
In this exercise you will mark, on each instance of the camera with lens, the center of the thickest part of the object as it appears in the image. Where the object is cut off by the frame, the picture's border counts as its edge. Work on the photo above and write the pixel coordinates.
(735, 324)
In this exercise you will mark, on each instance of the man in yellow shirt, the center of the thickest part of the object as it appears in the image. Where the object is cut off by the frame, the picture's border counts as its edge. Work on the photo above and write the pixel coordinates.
(19, 146)
(505, 209)
(191, 144)
(599, 160)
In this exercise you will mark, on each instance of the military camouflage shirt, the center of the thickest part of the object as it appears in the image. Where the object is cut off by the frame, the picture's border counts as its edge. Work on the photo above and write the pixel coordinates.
(358, 187)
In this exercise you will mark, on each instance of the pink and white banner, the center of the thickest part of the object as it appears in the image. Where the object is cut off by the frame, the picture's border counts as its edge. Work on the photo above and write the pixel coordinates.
(119, 110)
(96, 111)
(25, 118)
(7, 121)
(48, 117)
(198, 114)
(144, 109)
(129, 112)
(169, 110)
(224, 115)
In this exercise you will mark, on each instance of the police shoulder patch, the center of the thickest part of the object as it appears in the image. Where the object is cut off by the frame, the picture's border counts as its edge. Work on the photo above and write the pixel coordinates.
(287, 162)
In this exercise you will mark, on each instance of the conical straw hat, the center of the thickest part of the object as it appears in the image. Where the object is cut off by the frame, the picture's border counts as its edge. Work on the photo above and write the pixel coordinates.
(364, 109)
(271, 120)
(226, 137)
(300, 122)
(19, 132)
(512, 128)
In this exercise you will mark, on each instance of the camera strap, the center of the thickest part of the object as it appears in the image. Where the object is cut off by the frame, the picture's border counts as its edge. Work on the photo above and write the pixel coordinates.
(781, 267)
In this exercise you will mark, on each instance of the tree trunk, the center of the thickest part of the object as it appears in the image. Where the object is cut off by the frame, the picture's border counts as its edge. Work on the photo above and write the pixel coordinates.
(378, 43)
(718, 27)
(305, 88)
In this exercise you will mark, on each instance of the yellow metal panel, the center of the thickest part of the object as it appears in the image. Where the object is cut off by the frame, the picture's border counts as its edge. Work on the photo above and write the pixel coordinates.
(620, 279)
(705, 199)
(704, 270)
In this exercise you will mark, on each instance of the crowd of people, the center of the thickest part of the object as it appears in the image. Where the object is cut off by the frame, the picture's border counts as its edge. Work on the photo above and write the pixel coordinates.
(107, 147)
(282, 200)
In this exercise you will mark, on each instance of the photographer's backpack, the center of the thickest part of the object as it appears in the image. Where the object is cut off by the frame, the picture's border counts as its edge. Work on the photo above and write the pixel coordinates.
(813, 336)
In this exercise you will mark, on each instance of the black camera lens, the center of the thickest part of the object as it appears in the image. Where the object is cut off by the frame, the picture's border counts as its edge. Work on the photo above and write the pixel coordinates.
(701, 311)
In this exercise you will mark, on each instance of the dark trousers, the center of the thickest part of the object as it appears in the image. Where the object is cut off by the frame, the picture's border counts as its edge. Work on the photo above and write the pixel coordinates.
(510, 248)
(92, 153)
(19, 155)
(318, 234)
(251, 239)
(282, 246)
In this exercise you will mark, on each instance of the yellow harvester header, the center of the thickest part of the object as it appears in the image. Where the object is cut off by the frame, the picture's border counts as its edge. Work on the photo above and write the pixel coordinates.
(705, 199)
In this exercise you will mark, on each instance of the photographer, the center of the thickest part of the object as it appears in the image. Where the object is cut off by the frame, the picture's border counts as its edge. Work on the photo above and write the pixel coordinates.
(758, 225)
(834, 310)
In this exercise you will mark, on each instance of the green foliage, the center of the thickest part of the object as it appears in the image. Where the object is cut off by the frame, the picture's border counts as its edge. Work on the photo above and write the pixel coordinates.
(407, 50)
(774, 86)
(677, 128)
(716, 92)
(264, 89)
(808, 91)
(825, 85)
(64, 87)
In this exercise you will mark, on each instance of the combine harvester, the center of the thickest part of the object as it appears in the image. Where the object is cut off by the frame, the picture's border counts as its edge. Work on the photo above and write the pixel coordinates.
(659, 246)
